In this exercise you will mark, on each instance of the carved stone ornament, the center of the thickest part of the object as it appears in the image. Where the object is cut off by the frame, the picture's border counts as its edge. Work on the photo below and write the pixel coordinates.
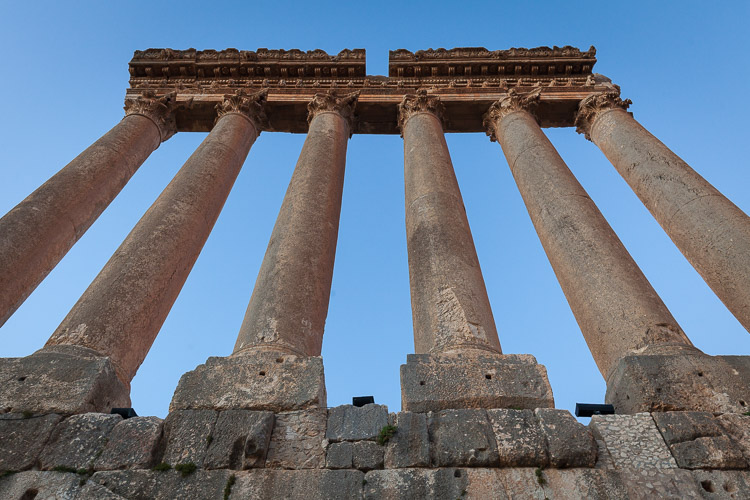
(329, 101)
(590, 107)
(159, 110)
(510, 104)
(250, 106)
(421, 102)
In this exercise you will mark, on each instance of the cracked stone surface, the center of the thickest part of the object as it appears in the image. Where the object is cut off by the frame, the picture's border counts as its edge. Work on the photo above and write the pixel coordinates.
(78, 441)
(22, 439)
(298, 440)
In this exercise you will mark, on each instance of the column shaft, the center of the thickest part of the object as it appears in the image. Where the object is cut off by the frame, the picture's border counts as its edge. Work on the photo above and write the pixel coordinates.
(617, 309)
(121, 312)
(712, 233)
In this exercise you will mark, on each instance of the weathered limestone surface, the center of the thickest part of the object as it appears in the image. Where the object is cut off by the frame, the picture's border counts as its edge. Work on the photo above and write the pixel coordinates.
(351, 423)
(410, 445)
(166, 485)
(255, 381)
(22, 439)
(737, 427)
(569, 443)
(367, 455)
(520, 441)
(239, 440)
(78, 441)
(61, 379)
(298, 485)
(298, 440)
(132, 444)
(187, 436)
(39, 484)
(437, 382)
(407, 484)
(462, 438)
(340, 455)
(632, 441)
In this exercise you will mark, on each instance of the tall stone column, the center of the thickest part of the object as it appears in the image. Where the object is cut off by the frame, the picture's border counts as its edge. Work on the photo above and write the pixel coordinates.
(276, 362)
(455, 338)
(120, 314)
(712, 233)
(39, 231)
(637, 344)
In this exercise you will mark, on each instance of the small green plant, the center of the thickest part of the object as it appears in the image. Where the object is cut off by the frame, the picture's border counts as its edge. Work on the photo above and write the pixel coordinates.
(185, 469)
(28, 414)
(228, 486)
(364, 482)
(209, 440)
(6, 473)
(747, 413)
(65, 468)
(386, 433)
(540, 476)
(162, 467)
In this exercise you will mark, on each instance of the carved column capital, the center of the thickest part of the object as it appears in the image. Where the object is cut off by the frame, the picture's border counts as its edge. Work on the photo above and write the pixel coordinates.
(421, 102)
(250, 106)
(159, 110)
(591, 106)
(343, 105)
(510, 104)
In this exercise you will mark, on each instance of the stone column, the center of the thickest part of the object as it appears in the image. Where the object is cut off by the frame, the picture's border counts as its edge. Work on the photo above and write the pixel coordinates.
(276, 362)
(120, 314)
(634, 339)
(712, 233)
(40, 230)
(455, 338)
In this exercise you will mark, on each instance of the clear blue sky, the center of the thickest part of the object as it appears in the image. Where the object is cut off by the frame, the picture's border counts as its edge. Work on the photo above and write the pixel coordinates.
(63, 77)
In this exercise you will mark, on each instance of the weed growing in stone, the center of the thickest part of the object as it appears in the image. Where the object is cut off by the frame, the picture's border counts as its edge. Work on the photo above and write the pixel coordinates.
(162, 467)
(540, 476)
(228, 486)
(185, 469)
(28, 414)
(386, 433)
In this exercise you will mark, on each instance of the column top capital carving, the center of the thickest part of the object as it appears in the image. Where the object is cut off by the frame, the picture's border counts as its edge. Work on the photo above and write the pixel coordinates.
(330, 101)
(250, 106)
(510, 104)
(421, 102)
(159, 110)
(592, 105)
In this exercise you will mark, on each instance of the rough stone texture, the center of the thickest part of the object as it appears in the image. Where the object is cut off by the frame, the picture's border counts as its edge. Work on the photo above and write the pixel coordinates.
(253, 381)
(121, 312)
(433, 383)
(697, 441)
(239, 440)
(298, 440)
(462, 438)
(186, 433)
(351, 423)
(723, 484)
(679, 380)
(95, 491)
(738, 428)
(78, 441)
(166, 485)
(297, 485)
(575, 484)
(61, 379)
(132, 444)
(39, 485)
(673, 484)
(569, 443)
(340, 455)
(22, 439)
(520, 441)
(410, 445)
(367, 455)
(409, 484)
(632, 441)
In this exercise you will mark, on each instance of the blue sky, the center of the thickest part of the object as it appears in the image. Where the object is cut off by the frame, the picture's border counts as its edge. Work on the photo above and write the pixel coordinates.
(63, 77)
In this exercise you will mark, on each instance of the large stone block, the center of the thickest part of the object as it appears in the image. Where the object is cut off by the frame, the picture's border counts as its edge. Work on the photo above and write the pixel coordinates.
(340, 455)
(367, 455)
(22, 439)
(461, 438)
(632, 441)
(673, 484)
(698, 441)
(187, 434)
(738, 428)
(298, 440)
(265, 484)
(438, 382)
(78, 441)
(575, 484)
(165, 485)
(409, 484)
(258, 381)
(61, 379)
(40, 485)
(352, 423)
(410, 444)
(723, 483)
(520, 441)
(682, 379)
(569, 443)
(132, 444)
(240, 440)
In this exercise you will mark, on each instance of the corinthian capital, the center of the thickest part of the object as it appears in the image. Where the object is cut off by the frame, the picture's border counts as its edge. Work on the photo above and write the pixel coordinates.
(591, 106)
(250, 106)
(510, 104)
(159, 110)
(329, 101)
(421, 102)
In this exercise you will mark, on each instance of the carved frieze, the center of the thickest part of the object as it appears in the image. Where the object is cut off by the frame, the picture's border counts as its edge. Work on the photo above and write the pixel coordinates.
(159, 110)
(590, 107)
(421, 102)
(510, 104)
(249, 106)
(330, 101)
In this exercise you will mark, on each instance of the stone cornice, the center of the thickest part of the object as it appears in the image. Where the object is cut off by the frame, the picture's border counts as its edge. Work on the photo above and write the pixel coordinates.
(159, 110)
(592, 105)
(513, 102)
(329, 101)
(249, 106)
(421, 102)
